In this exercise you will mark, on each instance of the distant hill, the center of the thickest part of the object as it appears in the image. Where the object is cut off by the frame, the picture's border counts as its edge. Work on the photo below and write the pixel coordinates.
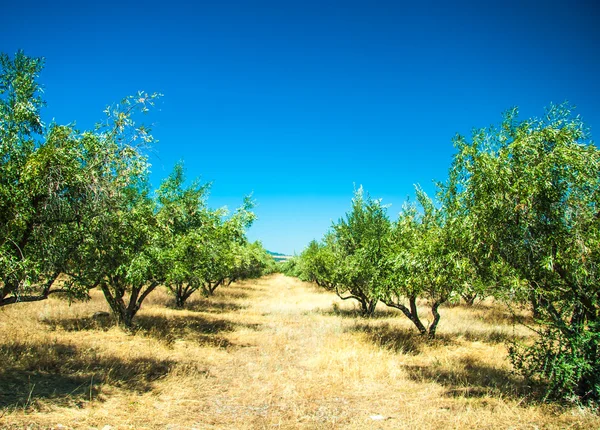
(279, 257)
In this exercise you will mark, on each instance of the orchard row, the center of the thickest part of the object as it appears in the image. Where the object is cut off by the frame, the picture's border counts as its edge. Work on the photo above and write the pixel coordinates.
(518, 219)
(77, 212)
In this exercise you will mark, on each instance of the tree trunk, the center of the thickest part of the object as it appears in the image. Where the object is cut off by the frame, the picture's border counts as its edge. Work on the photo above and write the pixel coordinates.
(415, 315)
(368, 307)
(183, 293)
(116, 304)
(124, 313)
(179, 301)
(412, 313)
(436, 319)
(12, 288)
(469, 298)
(125, 319)
(535, 305)
(213, 287)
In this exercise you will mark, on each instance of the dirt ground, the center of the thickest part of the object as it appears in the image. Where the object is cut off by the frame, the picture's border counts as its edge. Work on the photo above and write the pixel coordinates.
(270, 353)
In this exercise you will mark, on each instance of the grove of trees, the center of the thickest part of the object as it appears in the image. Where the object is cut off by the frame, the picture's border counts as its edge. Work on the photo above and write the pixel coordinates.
(77, 211)
(518, 219)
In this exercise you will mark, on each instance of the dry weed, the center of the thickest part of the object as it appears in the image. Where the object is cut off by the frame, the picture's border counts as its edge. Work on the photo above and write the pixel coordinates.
(271, 353)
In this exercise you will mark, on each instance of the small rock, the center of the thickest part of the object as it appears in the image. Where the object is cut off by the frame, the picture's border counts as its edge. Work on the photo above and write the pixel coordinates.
(377, 417)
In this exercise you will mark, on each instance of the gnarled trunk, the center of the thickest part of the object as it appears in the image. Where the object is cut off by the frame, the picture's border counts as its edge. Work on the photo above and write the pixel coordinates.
(436, 319)
(412, 313)
(182, 292)
(123, 312)
(10, 292)
(367, 304)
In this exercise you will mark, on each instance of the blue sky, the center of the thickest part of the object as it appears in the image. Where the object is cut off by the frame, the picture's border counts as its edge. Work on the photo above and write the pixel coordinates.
(298, 101)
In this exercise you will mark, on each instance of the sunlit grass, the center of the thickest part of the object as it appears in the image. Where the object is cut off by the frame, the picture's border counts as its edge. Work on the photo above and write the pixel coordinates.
(272, 353)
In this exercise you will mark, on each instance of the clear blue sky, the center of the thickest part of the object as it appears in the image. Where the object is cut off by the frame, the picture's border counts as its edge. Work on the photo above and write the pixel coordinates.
(297, 101)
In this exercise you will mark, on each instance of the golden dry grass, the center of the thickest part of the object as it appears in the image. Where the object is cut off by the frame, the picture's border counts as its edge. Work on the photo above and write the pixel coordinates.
(271, 353)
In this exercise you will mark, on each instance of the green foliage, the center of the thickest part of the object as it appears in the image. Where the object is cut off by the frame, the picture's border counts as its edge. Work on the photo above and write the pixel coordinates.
(71, 203)
(43, 189)
(317, 263)
(426, 260)
(291, 267)
(562, 363)
(368, 258)
(352, 259)
(251, 261)
(118, 248)
(186, 230)
(76, 211)
(532, 190)
(201, 248)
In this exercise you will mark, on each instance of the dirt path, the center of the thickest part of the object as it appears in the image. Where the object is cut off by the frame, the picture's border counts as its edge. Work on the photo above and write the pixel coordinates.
(270, 353)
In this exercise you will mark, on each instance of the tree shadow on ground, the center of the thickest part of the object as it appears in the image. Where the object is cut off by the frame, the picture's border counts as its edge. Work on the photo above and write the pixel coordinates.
(191, 328)
(491, 336)
(166, 329)
(496, 313)
(231, 292)
(211, 306)
(396, 339)
(409, 341)
(234, 293)
(103, 323)
(62, 374)
(500, 315)
(355, 312)
(473, 379)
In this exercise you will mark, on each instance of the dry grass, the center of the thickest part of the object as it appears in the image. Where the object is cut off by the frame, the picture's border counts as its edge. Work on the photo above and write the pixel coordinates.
(272, 353)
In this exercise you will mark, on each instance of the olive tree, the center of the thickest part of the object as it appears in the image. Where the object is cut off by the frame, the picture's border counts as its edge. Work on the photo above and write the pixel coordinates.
(227, 253)
(421, 256)
(425, 262)
(251, 260)
(318, 263)
(360, 244)
(532, 189)
(45, 187)
(200, 248)
(119, 251)
(73, 206)
(185, 224)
